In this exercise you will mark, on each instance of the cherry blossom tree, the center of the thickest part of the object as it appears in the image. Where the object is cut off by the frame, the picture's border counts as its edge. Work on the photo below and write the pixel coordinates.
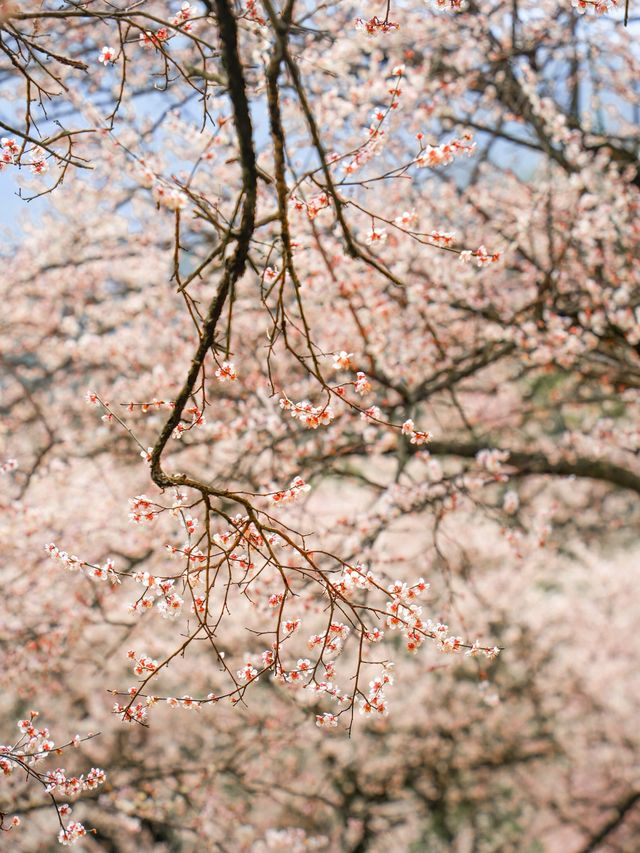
(321, 351)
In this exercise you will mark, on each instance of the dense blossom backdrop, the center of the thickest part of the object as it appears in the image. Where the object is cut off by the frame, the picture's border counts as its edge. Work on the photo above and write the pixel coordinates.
(320, 395)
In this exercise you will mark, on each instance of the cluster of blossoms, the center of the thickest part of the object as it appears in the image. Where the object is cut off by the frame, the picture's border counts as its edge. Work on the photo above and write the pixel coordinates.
(226, 372)
(245, 530)
(375, 140)
(311, 416)
(141, 510)
(376, 702)
(182, 18)
(190, 524)
(373, 413)
(444, 641)
(404, 615)
(243, 561)
(73, 832)
(598, 7)
(252, 12)
(303, 675)
(137, 713)
(375, 635)
(290, 626)
(481, 256)
(142, 664)
(476, 649)
(376, 136)
(416, 436)
(296, 488)
(312, 207)
(32, 746)
(9, 150)
(35, 745)
(374, 26)
(71, 786)
(440, 155)
(170, 607)
(353, 578)
(104, 572)
(331, 640)
(248, 672)
(326, 720)
(328, 688)
(38, 162)
(147, 39)
(197, 420)
(443, 238)
(303, 668)
(362, 384)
